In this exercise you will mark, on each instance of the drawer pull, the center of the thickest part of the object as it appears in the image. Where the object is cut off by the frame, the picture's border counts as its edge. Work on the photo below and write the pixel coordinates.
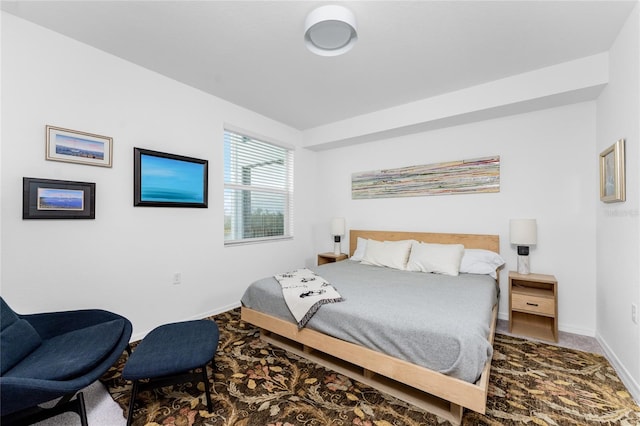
(532, 304)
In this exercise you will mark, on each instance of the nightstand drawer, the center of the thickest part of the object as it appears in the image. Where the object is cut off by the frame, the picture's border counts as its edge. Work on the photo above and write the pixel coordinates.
(534, 304)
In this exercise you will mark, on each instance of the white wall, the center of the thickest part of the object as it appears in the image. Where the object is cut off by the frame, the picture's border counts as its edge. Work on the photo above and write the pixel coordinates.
(618, 224)
(124, 259)
(548, 172)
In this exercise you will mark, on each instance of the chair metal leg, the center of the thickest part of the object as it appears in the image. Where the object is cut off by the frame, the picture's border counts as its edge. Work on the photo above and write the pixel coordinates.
(38, 414)
(82, 411)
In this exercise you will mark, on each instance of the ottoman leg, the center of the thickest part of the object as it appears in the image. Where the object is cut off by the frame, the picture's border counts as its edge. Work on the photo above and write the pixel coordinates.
(132, 402)
(205, 379)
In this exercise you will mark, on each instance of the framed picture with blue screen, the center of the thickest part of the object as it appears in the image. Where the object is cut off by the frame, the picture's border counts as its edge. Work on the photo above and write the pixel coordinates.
(168, 180)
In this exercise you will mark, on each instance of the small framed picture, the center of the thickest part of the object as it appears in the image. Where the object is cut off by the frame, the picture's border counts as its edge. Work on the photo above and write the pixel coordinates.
(72, 146)
(612, 177)
(58, 199)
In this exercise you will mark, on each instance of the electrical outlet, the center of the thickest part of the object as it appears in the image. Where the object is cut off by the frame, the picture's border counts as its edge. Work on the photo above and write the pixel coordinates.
(634, 313)
(177, 278)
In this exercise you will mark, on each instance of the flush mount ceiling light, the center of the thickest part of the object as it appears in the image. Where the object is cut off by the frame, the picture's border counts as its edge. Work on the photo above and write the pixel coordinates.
(330, 30)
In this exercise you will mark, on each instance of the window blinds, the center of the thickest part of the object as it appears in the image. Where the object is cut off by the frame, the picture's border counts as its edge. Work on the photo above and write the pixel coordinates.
(258, 189)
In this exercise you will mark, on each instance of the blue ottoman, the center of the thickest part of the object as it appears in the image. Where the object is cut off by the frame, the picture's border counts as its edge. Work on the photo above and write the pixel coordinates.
(167, 356)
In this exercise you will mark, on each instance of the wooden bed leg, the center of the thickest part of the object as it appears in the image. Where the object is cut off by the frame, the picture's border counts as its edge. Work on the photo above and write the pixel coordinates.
(368, 373)
(306, 349)
(456, 413)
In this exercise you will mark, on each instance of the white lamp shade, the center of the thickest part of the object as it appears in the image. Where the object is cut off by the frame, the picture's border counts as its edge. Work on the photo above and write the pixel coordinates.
(337, 226)
(330, 30)
(523, 232)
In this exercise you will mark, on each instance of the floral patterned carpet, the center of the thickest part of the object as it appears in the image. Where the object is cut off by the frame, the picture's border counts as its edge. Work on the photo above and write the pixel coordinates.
(257, 384)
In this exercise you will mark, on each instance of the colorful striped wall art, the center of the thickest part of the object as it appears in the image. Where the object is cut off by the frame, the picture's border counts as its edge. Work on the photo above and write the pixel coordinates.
(455, 177)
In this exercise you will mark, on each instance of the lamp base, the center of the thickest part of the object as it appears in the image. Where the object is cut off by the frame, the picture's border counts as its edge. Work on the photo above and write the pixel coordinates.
(336, 246)
(523, 265)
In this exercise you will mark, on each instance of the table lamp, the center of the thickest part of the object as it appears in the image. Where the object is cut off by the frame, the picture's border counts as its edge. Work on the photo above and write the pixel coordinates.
(337, 230)
(523, 233)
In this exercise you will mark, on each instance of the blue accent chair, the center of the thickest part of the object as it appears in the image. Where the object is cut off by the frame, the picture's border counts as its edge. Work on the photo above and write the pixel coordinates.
(54, 355)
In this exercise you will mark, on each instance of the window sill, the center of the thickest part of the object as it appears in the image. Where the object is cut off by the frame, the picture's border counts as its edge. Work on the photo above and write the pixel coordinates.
(234, 243)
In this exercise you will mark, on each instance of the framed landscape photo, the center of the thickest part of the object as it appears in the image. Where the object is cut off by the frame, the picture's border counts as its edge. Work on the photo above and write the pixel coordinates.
(169, 180)
(58, 199)
(612, 176)
(72, 146)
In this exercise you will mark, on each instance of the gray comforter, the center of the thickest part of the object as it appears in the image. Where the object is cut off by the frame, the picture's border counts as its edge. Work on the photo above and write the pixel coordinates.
(436, 321)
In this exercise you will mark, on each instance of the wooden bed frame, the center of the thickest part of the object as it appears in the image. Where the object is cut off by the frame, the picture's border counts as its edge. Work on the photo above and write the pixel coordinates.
(435, 392)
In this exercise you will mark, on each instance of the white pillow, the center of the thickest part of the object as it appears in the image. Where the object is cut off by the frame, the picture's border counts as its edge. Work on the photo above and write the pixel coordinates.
(438, 258)
(478, 261)
(361, 246)
(392, 254)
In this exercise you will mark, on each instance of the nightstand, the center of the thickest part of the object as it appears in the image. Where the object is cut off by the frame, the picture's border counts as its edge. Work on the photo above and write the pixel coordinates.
(331, 257)
(533, 305)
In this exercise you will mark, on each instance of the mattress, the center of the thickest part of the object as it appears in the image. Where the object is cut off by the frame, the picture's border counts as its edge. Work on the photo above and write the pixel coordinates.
(436, 321)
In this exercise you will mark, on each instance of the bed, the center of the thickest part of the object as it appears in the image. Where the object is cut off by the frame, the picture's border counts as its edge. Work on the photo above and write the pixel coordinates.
(395, 357)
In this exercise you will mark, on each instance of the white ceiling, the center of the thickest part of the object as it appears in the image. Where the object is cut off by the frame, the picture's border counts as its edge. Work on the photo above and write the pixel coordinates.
(252, 53)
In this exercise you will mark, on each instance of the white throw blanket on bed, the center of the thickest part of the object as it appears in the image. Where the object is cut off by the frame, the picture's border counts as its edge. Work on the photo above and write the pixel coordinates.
(304, 292)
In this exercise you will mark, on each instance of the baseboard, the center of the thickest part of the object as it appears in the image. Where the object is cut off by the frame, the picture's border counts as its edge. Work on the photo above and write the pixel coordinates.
(139, 336)
(215, 311)
(632, 386)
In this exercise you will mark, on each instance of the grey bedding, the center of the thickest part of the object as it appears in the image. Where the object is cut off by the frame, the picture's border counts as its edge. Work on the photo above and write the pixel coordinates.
(436, 321)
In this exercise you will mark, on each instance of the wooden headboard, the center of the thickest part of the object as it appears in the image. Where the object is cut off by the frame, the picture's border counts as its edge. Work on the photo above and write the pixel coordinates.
(477, 241)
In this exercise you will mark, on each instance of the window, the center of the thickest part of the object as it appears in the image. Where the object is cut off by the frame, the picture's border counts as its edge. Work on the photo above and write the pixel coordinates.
(258, 190)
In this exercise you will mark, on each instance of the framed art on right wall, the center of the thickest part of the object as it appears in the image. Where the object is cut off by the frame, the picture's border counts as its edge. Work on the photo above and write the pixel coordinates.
(612, 178)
